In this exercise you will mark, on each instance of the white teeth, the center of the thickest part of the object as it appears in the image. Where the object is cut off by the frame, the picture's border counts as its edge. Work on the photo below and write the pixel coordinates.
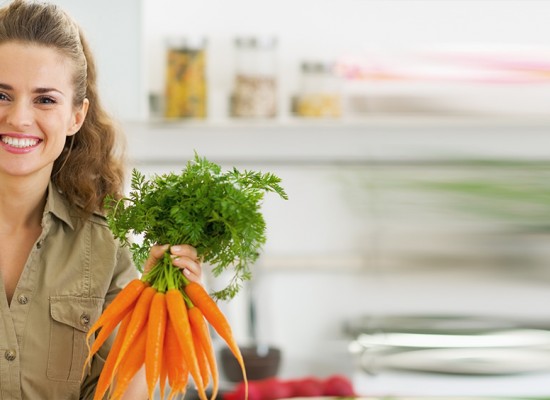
(19, 142)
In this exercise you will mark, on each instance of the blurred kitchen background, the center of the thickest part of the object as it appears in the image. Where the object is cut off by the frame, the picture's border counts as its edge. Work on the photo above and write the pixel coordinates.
(412, 138)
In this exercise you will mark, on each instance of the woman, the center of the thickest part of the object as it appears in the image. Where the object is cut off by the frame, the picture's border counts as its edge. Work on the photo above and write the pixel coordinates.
(59, 158)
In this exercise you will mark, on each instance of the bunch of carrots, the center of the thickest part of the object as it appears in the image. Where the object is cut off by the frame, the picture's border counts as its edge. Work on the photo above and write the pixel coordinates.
(165, 328)
(163, 319)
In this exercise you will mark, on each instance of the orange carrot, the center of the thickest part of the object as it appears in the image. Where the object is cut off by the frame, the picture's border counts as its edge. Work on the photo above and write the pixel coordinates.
(177, 310)
(138, 321)
(103, 335)
(120, 305)
(130, 365)
(163, 376)
(204, 368)
(201, 333)
(155, 341)
(108, 371)
(178, 371)
(201, 299)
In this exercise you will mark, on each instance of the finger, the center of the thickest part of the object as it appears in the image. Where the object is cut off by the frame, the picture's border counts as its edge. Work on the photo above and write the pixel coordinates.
(190, 267)
(157, 251)
(184, 250)
(155, 254)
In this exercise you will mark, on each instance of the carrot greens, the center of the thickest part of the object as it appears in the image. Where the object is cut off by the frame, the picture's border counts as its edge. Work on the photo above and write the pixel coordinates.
(217, 212)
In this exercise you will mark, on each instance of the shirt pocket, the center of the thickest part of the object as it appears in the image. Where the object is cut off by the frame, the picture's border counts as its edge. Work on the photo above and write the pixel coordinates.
(72, 317)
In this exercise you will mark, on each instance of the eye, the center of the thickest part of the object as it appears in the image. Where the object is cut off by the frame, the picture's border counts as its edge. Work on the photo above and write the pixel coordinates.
(46, 100)
(4, 97)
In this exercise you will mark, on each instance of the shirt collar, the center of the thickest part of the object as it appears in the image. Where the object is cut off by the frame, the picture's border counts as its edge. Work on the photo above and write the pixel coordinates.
(57, 205)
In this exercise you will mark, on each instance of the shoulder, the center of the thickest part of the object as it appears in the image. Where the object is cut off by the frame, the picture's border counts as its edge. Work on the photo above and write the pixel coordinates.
(96, 222)
(97, 225)
(98, 219)
(71, 214)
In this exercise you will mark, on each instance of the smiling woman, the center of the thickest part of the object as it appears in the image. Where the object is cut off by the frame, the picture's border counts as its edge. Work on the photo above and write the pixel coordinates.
(60, 98)
(60, 158)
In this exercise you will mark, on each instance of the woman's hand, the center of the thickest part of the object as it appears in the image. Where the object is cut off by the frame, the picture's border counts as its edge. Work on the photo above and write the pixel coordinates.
(184, 257)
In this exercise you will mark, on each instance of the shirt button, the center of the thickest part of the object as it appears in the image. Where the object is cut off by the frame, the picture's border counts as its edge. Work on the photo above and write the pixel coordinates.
(22, 299)
(84, 319)
(10, 355)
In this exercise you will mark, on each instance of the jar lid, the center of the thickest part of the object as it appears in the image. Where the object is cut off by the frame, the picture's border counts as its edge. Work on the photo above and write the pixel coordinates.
(263, 42)
(266, 42)
(187, 42)
(316, 67)
(244, 41)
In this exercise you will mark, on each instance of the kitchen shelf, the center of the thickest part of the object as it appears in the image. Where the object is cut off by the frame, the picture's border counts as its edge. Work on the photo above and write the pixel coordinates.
(348, 141)
(372, 120)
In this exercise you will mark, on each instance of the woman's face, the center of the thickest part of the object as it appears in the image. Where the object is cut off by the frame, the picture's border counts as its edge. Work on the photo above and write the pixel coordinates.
(36, 108)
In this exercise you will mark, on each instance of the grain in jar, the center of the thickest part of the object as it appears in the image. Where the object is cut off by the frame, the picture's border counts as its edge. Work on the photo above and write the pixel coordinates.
(255, 82)
(320, 94)
(185, 85)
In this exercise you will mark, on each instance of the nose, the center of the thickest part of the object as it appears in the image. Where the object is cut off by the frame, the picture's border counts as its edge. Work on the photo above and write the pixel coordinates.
(19, 115)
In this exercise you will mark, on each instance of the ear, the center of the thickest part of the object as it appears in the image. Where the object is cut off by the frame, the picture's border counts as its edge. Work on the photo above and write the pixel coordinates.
(79, 117)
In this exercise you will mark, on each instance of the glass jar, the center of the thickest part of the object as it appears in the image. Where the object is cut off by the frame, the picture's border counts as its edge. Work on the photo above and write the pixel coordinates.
(255, 82)
(185, 85)
(320, 94)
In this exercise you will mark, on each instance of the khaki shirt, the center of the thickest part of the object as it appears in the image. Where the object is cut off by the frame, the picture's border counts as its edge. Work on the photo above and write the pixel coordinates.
(75, 268)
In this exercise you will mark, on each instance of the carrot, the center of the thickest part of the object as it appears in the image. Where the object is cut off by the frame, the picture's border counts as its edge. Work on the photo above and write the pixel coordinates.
(163, 376)
(138, 321)
(155, 340)
(130, 365)
(201, 299)
(178, 371)
(120, 304)
(103, 335)
(108, 371)
(204, 368)
(177, 310)
(200, 331)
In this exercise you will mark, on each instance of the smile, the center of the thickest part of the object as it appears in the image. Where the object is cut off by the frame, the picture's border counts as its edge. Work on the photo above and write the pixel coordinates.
(20, 143)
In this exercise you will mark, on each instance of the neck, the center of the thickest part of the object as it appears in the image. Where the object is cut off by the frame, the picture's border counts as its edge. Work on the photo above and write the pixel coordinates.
(21, 205)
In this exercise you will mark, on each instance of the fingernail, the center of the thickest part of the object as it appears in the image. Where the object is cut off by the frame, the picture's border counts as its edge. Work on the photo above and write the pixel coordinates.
(186, 271)
(176, 248)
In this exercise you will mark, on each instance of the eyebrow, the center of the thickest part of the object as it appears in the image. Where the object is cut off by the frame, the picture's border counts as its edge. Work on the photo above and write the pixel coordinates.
(39, 90)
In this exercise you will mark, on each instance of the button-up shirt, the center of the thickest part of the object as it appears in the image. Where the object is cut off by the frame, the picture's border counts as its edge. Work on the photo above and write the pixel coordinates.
(74, 270)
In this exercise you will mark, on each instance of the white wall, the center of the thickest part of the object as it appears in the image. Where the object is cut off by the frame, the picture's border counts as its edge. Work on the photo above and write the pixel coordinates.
(114, 30)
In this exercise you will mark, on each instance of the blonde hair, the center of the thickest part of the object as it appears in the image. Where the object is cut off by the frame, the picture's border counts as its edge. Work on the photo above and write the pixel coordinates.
(91, 165)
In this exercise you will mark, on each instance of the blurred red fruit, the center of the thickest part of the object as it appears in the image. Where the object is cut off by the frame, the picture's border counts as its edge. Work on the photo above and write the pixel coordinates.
(337, 385)
(273, 389)
(307, 387)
